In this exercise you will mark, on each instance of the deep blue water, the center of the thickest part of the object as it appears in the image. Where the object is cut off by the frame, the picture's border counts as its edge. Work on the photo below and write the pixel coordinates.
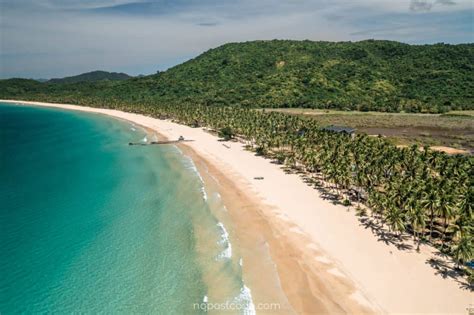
(90, 224)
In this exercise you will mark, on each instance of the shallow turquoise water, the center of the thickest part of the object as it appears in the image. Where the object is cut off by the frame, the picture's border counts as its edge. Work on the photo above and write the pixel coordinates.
(90, 224)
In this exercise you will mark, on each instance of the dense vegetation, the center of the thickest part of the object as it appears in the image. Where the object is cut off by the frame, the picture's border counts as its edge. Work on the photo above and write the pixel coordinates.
(424, 193)
(367, 75)
(92, 77)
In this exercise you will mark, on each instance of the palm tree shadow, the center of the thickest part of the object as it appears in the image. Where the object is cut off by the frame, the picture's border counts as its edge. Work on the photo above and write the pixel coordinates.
(289, 170)
(325, 192)
(447, 270)
(275, 161)
(399, 241)
(385, 236)
(380, 230)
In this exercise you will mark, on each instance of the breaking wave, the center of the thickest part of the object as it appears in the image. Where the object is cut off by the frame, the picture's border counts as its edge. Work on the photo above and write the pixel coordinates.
(224, 241)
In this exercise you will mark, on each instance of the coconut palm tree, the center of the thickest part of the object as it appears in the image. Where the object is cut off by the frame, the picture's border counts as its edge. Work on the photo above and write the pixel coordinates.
(395, 218)
(417, 219)
(430, 201)
(463, 250)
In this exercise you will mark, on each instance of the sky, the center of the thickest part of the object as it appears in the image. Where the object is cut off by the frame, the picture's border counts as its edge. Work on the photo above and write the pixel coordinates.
(57, 38)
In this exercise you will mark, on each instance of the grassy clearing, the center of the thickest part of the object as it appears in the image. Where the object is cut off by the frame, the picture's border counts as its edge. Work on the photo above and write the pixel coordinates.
(454, 129)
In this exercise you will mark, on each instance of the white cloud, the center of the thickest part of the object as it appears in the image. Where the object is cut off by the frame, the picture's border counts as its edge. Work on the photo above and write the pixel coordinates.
(56, 40)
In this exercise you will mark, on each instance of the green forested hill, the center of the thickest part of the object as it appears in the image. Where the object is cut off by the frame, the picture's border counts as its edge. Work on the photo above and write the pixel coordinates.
(92, 77)
(366, 75)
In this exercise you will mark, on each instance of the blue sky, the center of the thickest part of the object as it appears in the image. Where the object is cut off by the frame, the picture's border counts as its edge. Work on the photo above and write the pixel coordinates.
(55, 38)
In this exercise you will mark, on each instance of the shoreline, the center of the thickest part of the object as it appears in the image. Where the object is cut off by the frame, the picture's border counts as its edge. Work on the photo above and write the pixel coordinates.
(326, 261)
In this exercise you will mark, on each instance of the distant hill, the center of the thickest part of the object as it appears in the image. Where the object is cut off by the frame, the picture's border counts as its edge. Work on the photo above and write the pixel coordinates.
(92, 77)
(367, 75)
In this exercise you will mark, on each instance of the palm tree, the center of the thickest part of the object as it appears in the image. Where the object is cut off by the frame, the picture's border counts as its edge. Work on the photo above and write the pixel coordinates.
(395, 218)
(417, 220)
(463, 251)
(446, 211)
(430, 200)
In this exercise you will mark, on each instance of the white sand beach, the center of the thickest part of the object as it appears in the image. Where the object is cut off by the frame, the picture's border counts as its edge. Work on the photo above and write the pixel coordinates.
(342, 266)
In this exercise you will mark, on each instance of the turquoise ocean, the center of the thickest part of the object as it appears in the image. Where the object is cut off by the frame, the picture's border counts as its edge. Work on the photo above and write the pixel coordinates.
(90, 224)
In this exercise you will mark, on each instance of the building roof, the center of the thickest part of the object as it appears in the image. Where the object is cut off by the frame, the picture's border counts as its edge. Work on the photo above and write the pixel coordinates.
(339, 129)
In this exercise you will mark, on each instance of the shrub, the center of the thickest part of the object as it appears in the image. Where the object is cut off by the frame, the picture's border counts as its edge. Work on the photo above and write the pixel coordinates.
(226, 133)
(260, 150)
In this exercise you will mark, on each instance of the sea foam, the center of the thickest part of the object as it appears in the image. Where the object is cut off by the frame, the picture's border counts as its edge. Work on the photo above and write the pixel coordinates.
(245, 298)
(227, 252)
(191, 166)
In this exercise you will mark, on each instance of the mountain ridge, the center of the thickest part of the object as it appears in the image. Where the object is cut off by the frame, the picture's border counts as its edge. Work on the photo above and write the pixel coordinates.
(374, 75)
(91, 76)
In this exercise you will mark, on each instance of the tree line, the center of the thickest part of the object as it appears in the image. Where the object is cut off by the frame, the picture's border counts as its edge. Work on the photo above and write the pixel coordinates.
(426, 194)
